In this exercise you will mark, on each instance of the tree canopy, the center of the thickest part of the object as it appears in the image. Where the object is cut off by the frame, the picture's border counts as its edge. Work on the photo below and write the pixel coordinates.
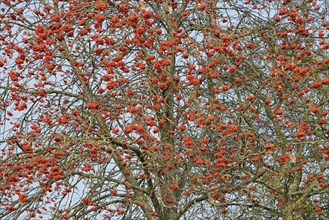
(155, 109)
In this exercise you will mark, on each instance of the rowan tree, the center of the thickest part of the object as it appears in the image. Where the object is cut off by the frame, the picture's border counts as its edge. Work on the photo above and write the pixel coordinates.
(180, 109)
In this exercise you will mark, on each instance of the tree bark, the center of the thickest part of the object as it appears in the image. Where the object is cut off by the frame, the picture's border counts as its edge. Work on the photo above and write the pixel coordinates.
(168, 214)
(287, 212)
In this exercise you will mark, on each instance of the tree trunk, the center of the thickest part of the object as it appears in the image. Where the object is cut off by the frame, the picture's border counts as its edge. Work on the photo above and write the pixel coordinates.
(287, 212)
(168, 214)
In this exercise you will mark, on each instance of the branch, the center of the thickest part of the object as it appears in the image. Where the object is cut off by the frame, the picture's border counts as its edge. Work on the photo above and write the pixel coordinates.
(190, 204)
(257, 206)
